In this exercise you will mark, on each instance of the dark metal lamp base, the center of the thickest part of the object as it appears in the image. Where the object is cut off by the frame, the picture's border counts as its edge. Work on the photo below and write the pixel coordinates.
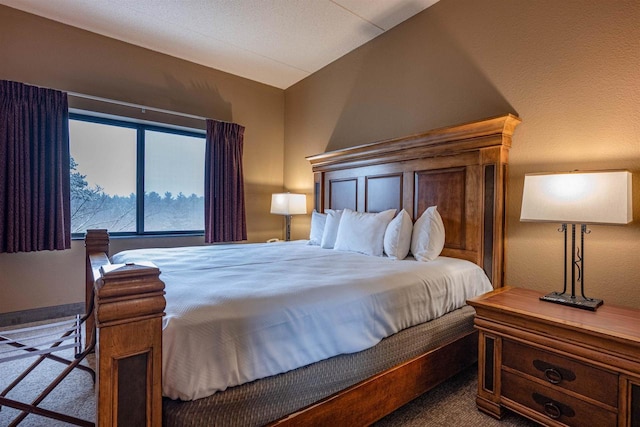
(573, 301)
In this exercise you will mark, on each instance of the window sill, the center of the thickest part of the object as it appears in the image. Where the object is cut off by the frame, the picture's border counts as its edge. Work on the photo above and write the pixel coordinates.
(146, 235)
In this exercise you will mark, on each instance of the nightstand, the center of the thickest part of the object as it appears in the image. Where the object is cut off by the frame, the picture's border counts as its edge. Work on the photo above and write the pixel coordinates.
(557, 365)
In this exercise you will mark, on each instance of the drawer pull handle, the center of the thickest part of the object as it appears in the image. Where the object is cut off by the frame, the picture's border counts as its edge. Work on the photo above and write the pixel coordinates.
(552, 408)
(554, 374)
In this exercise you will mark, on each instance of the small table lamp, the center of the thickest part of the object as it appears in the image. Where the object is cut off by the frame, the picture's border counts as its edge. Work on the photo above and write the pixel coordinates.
(577, 198)
(288, 204)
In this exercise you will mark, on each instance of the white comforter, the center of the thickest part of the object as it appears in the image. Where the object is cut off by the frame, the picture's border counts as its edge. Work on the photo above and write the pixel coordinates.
(236, 313)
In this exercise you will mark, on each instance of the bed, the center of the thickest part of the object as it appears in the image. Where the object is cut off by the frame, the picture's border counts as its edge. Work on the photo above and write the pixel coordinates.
(461, 169)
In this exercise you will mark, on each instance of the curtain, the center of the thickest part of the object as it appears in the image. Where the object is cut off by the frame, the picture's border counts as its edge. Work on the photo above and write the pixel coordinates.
(224, 212)
(34, 169)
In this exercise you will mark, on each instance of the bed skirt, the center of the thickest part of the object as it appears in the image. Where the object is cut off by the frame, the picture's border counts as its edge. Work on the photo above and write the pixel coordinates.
(269, 399)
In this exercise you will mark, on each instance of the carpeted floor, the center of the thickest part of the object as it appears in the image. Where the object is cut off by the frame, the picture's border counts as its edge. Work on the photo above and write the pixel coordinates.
(450, 403)
(74, 396)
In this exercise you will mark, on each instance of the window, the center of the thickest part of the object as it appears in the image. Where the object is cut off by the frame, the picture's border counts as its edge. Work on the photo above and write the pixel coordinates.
(115, 161)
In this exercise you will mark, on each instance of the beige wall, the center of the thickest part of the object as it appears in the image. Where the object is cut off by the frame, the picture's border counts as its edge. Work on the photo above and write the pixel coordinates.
(42, 52)
(569, 69)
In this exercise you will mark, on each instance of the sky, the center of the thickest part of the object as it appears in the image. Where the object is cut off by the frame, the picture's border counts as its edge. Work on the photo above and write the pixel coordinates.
(107, 156)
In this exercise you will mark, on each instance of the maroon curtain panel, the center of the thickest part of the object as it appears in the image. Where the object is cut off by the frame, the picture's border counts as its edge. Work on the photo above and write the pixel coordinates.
(34, 169)
(224, 210)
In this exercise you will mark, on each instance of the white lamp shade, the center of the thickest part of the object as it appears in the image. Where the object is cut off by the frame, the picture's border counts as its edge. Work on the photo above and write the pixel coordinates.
(602, 197)
(288, 204)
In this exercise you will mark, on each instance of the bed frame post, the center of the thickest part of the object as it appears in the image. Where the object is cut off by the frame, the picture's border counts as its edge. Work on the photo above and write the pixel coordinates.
(129, 305)
(95, 242)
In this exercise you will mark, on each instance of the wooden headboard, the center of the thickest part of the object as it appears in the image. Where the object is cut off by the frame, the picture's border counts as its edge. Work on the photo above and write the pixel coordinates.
(461, 169)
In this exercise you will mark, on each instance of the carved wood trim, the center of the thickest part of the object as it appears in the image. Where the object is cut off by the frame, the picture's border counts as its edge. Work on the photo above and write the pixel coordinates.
(438, 142)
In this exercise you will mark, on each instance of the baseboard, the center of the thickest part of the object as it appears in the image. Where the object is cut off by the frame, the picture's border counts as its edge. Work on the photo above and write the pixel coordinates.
(39, 314)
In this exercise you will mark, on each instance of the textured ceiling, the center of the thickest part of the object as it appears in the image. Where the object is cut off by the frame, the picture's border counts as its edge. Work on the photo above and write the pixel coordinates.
(276, 42)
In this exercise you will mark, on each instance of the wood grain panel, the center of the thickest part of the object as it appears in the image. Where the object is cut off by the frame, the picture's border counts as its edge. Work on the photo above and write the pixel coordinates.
(343, 194)
(132, 373)
(489, 218)
(383, 192)
(446, 190)
(489, 371)
(634, 410)
(317, 193)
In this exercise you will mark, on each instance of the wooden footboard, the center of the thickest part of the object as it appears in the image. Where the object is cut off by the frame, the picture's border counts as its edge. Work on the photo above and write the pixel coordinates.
(129, 304)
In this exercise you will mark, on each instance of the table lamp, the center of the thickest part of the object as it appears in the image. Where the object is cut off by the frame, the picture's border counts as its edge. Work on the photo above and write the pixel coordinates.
(578, 199)
(288, 204)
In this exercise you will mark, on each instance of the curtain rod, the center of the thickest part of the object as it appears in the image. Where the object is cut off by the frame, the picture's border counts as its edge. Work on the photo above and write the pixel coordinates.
(141, 107)
(125, 104)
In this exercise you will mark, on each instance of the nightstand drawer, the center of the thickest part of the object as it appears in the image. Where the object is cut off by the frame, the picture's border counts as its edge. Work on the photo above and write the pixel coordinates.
(554, 404)
(565, 373)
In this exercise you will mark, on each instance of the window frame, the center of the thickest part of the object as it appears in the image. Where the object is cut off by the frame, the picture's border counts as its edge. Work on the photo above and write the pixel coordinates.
(140, 128)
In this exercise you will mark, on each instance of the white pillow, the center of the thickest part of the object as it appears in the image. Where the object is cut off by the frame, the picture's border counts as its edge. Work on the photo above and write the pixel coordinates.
(318, 221)
(330, 228)
(363, 232)
(397, 237)
(427, 239)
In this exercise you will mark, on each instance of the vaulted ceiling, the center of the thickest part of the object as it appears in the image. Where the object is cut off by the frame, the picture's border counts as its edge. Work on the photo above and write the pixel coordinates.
(276, 42)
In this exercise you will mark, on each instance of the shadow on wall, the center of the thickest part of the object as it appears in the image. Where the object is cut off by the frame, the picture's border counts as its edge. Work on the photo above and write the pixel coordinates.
(199, 99)
(201, 95)
(390, 88)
